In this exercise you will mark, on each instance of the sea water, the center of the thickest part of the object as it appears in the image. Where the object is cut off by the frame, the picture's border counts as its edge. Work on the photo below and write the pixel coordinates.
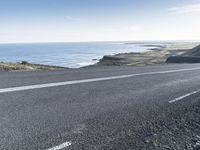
(73, 55)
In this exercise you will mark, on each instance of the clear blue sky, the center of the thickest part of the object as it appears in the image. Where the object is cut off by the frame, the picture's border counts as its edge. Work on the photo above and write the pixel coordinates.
(98, 20)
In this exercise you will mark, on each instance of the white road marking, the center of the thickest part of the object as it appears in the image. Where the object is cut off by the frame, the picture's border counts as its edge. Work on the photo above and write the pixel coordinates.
(61, 146)
(39, 86)
(184, 96)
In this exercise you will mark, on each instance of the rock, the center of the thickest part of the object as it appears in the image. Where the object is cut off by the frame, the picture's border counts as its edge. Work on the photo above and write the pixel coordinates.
(193, 52)
(24, 63)
(112, 61)
(192, 56)
(183, 59)
(110, 58)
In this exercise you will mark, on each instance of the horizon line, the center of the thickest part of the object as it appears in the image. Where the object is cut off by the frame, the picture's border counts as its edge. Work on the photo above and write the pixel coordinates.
(134, 41)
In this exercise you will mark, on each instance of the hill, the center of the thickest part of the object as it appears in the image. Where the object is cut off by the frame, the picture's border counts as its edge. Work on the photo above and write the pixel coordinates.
(191, 56)
(193, 52)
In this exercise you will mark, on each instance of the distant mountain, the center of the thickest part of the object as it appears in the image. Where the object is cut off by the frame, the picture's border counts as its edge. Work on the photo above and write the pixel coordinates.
(192, 56)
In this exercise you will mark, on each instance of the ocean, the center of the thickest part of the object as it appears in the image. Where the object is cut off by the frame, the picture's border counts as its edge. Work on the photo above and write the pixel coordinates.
(72, 55)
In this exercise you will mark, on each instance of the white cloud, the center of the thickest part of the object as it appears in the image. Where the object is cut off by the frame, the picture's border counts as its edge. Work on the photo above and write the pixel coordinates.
(186, 9)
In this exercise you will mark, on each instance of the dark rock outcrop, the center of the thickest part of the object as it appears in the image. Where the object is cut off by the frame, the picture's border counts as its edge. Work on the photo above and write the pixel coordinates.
(112, 61)
(193, 52)
(192, 56)
(183, 59)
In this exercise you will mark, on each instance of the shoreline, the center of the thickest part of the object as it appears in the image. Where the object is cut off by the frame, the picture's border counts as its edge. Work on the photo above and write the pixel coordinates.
(158, 54)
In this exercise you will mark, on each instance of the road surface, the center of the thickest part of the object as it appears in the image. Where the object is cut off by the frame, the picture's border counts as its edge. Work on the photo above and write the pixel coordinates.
(154, 107)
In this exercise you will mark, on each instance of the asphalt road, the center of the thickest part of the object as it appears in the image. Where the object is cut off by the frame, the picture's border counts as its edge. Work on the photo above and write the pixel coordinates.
(114, 108)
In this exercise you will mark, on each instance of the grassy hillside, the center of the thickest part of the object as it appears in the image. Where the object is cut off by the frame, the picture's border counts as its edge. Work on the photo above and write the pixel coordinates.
(26, 66)
(155, 56)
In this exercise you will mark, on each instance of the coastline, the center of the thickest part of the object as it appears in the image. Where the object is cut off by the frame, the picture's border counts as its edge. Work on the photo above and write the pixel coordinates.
(157, 54)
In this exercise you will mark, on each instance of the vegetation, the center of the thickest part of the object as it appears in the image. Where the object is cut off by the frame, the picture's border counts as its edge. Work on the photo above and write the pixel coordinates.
(155, 56)
(26, 66)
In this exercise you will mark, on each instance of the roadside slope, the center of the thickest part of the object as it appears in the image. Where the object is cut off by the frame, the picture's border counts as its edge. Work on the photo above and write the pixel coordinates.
(191, 56)
(25, 66)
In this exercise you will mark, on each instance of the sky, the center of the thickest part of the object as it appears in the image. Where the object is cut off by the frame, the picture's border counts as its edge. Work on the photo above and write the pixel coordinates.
(98, 20)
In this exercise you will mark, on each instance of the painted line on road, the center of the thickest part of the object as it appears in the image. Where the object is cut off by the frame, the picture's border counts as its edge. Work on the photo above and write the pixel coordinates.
(40, 86)
(184, 96)
(61, 146)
